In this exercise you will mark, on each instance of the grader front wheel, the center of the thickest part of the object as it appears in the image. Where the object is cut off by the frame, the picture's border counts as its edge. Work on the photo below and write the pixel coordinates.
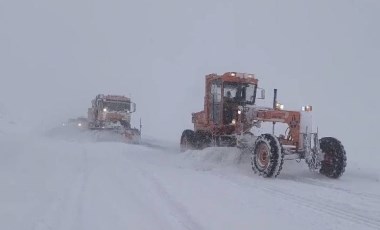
(334, 162)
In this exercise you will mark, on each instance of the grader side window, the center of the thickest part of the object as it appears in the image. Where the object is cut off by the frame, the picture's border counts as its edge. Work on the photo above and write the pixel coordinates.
(216, 100)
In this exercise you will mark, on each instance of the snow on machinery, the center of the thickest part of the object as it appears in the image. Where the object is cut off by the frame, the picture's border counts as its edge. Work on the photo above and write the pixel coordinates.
(113, 112)
(229, 114)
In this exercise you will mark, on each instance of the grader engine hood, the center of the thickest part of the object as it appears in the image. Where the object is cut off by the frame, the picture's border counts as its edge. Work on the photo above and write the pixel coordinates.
(256, 114)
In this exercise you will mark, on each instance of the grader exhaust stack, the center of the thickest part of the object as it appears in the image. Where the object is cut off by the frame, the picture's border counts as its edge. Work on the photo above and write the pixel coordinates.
(274, 106)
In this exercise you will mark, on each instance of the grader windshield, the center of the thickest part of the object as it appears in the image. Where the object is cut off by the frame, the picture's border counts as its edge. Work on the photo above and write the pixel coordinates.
(241, 93)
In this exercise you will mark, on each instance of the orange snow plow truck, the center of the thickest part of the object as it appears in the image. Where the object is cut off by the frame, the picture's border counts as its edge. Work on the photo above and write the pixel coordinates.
(113, 113)
(231, 114)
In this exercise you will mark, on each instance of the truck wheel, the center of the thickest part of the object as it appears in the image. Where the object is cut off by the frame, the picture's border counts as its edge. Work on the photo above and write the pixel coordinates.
(334, 162)
(267, 157)
(187, 140)
(203, 139)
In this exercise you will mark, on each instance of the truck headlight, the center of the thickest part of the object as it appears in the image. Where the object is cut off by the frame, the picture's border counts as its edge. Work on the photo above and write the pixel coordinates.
(105, 110)
(239, 112)
(233, 121)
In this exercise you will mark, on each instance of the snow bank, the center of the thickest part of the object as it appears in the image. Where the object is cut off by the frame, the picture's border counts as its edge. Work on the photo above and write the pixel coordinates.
(216, 159)
(158, 143)
(220, 158)
(215, 155)
(74, 134)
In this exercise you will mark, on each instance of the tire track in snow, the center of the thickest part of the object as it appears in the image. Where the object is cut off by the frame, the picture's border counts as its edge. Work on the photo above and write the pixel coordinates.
(176, 209)
(179, 211)
(319, 204)
(373, 198)
(65, 212)
(83, 181)
(328, 206)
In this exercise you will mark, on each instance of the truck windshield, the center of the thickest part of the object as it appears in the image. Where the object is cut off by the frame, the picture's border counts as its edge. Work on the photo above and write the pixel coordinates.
(117, 106)
(240, 92)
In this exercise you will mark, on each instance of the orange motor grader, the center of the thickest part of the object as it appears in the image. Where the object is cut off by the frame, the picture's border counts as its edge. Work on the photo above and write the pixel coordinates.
(230, 113)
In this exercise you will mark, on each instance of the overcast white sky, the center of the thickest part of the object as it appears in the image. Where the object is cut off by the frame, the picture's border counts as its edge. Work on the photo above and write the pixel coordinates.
(55, 56)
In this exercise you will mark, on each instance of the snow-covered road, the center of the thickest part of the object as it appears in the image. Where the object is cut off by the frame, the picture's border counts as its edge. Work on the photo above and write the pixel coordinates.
(51, 183)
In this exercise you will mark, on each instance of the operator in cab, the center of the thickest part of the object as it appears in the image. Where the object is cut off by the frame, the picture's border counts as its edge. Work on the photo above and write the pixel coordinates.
(229, 106)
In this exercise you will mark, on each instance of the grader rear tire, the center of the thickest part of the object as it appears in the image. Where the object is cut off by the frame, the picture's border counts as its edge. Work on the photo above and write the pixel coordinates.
(203, 139)
(188, 140)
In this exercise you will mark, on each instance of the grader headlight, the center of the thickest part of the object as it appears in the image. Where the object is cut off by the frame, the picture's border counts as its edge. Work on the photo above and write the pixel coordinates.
(279, 106)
